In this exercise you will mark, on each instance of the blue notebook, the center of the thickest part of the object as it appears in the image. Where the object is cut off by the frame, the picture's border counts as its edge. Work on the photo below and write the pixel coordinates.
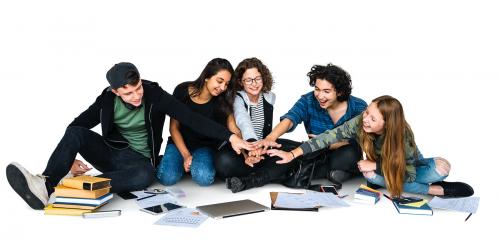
(403, 209)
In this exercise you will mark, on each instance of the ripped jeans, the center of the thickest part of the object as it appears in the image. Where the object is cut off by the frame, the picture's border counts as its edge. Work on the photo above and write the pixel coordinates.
(426, 174)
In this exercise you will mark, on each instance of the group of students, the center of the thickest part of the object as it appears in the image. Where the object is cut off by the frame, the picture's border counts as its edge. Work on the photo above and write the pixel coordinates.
(221, 126)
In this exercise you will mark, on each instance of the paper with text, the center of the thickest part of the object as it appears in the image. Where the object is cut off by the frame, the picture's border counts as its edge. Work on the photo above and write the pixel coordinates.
(466, 204)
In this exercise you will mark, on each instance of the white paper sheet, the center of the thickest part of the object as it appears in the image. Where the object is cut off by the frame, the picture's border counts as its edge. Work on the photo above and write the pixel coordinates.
(185, 217)
(466, 204)
(309, 200)
(156, 199)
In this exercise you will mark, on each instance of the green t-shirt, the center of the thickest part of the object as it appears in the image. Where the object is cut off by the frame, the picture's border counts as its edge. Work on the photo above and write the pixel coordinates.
(132, 126)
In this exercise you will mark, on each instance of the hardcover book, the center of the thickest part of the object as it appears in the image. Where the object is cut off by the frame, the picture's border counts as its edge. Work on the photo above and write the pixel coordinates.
(86, 182)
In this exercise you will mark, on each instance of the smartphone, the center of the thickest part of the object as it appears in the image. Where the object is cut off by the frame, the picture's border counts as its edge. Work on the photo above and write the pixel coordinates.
(102, 214)
(329, 188)
(159, 209)
(127, 195)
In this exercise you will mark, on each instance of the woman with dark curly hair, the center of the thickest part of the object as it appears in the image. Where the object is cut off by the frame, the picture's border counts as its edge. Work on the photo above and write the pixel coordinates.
(188, 151)
(328, 106)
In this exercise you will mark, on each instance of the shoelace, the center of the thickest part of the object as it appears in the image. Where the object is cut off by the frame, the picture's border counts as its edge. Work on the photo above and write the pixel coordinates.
(44, 177)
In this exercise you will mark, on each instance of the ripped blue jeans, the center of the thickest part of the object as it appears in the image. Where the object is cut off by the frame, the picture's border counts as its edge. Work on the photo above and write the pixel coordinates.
(426, 174)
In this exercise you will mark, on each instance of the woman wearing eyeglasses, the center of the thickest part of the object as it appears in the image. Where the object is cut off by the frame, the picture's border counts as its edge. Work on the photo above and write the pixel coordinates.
(328, 106)
(253, 111)
(188, 151)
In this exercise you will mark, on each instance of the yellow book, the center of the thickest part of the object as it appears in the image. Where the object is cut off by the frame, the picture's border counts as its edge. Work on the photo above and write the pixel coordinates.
(63, 191)
(50, 210)
(77, 206)
(416, 204)
(370, 189)
(86, 182)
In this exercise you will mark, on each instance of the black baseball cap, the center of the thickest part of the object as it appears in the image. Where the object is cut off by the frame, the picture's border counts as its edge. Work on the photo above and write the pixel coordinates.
(120, 74)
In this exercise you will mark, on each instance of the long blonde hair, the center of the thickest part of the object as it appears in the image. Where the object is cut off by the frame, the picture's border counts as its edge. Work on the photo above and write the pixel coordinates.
(392, 154)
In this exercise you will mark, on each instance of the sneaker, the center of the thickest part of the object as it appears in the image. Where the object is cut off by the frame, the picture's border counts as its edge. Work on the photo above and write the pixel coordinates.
(455, 189)
(30, 187)
(337, 177)
(237, 185)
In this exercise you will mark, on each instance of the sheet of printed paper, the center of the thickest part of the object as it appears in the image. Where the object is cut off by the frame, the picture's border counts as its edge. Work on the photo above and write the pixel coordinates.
(465, 204)
(184, 217)
(309, 199)
(146, 201)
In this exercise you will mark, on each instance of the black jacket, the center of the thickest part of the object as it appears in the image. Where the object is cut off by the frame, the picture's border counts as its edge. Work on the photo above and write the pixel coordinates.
(157, 103)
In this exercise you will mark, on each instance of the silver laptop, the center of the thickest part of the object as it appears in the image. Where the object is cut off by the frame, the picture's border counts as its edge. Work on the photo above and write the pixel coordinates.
(230, 209)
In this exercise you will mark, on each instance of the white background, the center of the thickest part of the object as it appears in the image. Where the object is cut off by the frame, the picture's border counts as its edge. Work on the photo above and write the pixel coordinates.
(439, 58)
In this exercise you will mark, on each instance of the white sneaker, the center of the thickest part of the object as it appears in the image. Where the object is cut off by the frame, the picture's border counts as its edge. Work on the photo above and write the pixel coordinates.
(30, 187)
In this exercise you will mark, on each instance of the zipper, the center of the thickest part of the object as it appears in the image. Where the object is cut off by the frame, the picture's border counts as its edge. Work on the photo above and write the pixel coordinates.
(105, 140)
(152, 135)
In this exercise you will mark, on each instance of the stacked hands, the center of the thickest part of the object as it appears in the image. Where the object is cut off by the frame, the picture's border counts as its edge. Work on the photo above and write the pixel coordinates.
(256, 151)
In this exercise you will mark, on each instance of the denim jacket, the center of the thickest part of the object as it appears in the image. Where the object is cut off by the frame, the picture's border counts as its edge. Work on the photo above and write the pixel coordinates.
(316, 119)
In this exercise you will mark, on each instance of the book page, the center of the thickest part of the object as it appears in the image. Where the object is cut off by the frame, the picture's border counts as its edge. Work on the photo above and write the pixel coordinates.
(466, 204)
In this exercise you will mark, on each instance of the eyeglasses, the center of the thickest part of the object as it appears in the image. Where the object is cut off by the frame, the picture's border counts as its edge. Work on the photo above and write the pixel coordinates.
(249, 81)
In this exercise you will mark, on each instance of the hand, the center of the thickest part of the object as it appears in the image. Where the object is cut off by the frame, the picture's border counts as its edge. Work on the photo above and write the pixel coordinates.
(285, 156)
(78, 168)
(257, 153)
(250, 161)
(311, 136)
(265, 144)
(366, 166)
(237, 144)
(187, 163)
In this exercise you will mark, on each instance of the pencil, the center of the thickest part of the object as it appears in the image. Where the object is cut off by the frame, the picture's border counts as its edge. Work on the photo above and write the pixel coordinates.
(142, 198)
(468, 216)
(388, 197)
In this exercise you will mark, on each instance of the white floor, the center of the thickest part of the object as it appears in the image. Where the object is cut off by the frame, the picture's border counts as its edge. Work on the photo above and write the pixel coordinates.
(439, 58)
(357, 223)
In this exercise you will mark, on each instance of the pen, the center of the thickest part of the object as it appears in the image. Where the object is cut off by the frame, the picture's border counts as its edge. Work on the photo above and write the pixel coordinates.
(142, 198)
(388, 197)
(468, 216)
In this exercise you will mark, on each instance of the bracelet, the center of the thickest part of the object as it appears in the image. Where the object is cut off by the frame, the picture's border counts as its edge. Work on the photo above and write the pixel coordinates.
(293, 155)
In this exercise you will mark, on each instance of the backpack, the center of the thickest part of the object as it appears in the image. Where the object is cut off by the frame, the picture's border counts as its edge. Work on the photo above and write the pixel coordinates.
(301, 174)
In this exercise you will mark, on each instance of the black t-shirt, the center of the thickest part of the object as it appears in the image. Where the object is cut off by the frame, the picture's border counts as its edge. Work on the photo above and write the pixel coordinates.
(210, 110)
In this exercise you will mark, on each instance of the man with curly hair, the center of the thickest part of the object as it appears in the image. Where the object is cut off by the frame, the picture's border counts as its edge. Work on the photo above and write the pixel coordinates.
(328, 106)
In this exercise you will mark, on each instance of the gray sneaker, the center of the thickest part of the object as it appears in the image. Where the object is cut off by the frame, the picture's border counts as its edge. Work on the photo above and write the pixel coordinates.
(30, 187)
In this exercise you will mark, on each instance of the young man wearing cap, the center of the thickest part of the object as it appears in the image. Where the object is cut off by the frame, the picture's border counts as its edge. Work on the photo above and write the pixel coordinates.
(131, 112)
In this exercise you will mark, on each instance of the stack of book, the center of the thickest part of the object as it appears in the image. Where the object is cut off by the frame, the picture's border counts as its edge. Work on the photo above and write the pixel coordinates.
(78, 195)
(367, 195)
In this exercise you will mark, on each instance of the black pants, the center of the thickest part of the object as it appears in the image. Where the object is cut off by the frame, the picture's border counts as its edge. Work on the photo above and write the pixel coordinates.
(229, 164)
(343, 158)
(127, 169)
